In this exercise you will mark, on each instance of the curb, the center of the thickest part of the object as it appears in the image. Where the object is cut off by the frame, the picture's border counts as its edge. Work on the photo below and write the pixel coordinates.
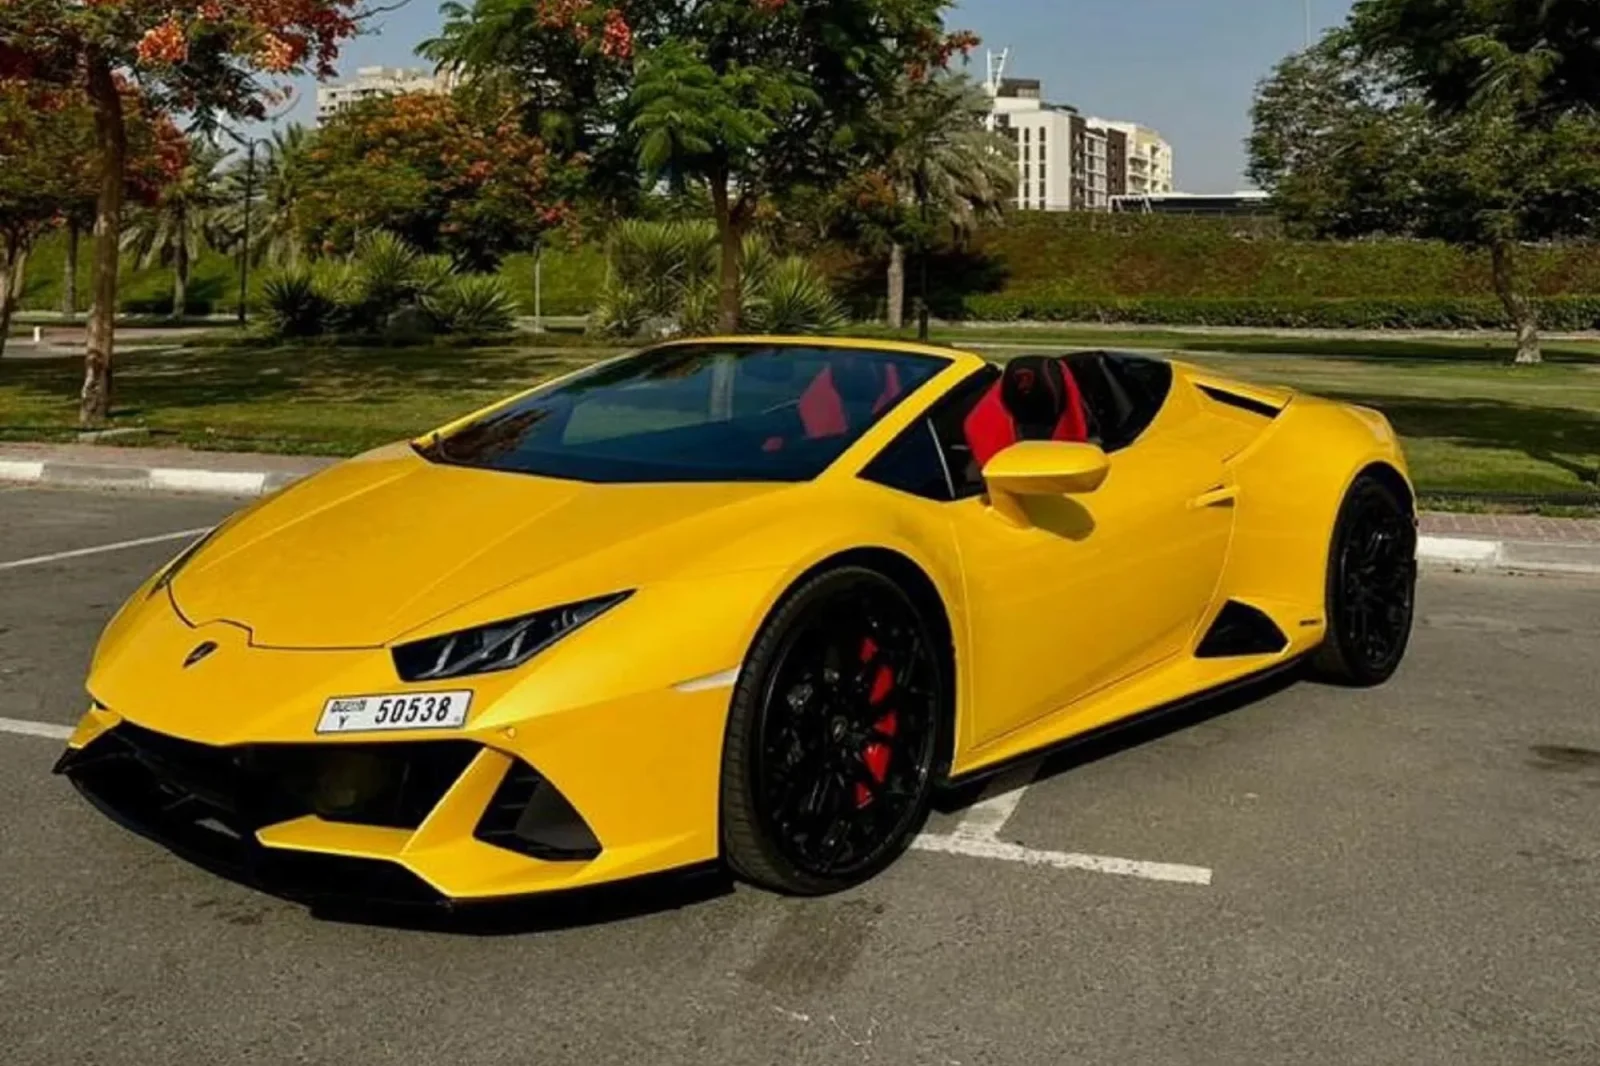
(159, 478)
(1513, 556)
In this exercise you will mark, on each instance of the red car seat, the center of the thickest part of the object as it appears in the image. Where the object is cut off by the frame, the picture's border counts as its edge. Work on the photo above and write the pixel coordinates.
(1035, 399)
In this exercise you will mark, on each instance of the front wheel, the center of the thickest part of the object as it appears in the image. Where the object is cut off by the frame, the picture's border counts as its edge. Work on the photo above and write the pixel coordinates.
(834, 736)
(1372, 583)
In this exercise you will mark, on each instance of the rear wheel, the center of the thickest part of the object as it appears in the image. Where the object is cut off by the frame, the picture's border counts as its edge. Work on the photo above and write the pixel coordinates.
(1372, 579)
(834, 736)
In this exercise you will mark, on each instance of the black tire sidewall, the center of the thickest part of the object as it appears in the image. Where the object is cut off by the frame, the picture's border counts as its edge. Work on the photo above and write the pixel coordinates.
(1336, 661)
(746, 845)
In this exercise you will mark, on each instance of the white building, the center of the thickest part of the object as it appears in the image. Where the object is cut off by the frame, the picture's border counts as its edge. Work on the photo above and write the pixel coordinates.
(1066, 162)
(1148, 170)
(378, 81)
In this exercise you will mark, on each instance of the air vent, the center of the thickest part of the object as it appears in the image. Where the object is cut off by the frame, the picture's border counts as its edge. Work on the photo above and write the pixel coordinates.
(1241, 630)
(1243, 403)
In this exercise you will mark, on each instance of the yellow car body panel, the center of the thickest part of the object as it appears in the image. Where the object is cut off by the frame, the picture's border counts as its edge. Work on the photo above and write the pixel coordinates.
(1085, 615)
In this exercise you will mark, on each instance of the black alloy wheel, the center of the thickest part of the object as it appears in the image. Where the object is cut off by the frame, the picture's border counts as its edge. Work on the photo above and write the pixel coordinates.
(834, 737)
(1372, 583)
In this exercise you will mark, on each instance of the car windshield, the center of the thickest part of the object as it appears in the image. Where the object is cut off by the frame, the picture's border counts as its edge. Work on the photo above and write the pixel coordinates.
(688, 412)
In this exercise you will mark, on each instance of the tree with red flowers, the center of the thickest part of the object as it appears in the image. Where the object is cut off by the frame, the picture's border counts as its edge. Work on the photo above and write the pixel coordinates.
(48, 174)
(741, 97)
(450, 174)
(206, 58)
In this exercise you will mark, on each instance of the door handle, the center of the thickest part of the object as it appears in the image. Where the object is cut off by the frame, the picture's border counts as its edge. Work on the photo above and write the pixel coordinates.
(1221, 496)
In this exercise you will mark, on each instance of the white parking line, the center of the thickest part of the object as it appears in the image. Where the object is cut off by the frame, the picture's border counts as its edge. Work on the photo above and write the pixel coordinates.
(977, 836)
(47, 730)
(54, 557)
(1063, 860)
(998, 802)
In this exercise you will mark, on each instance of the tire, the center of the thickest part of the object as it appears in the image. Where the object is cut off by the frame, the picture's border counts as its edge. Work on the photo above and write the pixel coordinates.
(836, 736)
(1371, 586)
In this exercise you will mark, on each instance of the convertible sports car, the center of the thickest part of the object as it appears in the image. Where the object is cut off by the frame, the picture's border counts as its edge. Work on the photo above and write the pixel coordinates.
(751, 599)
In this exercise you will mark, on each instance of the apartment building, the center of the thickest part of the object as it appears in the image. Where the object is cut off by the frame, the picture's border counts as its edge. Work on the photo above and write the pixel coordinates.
(1069, 162)
(378, 81)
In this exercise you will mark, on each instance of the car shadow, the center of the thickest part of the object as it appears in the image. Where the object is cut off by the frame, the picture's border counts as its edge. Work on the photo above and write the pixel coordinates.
(1122, 736)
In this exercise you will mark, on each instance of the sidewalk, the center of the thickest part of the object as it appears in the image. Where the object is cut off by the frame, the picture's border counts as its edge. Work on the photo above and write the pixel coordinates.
(1466, 541)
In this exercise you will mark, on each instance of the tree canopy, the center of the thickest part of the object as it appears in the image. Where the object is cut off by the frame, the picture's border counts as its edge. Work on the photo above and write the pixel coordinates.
(457, 176)
(1416, 119)
(209, 59)
(738, 96)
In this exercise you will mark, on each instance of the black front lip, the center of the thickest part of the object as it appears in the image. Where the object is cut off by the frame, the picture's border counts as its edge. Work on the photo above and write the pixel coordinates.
(197, 831)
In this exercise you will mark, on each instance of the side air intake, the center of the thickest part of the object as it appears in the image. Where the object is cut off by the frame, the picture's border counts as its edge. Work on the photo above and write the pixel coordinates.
(1241, 630)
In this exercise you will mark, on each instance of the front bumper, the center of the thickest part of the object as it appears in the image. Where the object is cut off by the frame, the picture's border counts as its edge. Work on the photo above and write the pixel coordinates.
(398, 824)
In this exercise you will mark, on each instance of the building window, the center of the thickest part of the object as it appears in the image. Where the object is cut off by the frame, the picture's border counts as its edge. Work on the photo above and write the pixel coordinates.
(1042, 132)
(1041, 175)
(1027, 134)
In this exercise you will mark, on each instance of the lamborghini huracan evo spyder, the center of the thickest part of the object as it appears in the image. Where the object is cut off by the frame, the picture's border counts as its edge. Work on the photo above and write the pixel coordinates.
(751, 599)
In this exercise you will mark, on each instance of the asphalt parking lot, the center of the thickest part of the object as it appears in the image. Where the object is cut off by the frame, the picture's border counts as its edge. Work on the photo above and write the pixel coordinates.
(1410, 874)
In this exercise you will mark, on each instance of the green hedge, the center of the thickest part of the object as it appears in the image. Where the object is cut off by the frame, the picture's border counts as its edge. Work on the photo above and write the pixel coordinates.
(1171, 256)
(1467, 313)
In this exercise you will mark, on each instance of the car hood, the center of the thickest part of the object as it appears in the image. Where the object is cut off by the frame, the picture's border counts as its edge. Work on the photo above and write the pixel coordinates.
(379, 547)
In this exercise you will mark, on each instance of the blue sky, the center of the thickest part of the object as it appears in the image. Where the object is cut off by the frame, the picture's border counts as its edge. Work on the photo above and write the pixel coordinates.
(1186, 67)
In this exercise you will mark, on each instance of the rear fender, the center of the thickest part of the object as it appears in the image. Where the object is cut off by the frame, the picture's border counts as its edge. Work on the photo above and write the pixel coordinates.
(1292, 481)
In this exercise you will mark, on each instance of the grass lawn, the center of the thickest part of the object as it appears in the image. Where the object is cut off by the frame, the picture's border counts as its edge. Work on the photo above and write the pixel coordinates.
(1471, 426)
(307, 400)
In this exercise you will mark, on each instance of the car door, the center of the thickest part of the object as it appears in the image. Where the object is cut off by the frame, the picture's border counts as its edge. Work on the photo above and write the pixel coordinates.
(1100, 586)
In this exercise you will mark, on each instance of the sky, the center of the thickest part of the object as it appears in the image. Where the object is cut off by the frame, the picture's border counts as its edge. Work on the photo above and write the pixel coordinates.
(1185, 67)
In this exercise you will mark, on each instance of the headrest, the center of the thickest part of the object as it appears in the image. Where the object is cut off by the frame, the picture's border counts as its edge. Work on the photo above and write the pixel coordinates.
(1035, 393)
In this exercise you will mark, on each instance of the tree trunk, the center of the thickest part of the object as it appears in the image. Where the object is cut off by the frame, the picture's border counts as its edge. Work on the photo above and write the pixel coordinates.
(9, 254)
(1524, 317)
(897, 285)
(69, 276)
(730, 235)
(111, 137)
(180, 273)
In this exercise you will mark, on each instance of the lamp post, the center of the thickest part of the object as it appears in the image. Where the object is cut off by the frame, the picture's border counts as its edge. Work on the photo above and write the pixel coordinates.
(249, 146)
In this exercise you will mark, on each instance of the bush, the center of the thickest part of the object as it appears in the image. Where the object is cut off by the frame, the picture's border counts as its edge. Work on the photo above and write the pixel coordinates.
(668, 271)
(296, 305)
(387, 288)
(792, 297)
(473, 304)
(1559, 313)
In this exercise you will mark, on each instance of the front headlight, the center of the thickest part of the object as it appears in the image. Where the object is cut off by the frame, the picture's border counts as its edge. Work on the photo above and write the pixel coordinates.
(498, 645)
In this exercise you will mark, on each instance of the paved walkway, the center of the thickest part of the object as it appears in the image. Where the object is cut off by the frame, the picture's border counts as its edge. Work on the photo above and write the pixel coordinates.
(1514, 527)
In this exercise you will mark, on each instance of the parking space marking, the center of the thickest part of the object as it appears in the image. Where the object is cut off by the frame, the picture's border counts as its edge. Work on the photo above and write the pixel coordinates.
(76, 553)
(997, 803)
(48, 730)
(1062, 860)
(977, 836)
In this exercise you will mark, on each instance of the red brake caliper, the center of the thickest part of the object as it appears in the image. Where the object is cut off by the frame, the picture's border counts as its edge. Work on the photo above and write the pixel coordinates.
(876, 755)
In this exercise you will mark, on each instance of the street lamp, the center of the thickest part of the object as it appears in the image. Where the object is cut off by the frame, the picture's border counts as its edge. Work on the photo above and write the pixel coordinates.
(249, 145)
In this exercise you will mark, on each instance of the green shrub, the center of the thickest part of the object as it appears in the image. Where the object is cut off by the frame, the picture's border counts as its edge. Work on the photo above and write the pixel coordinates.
(1438, 313)
(791, 296)
(295, 304)
(669, 271)
(473, 304)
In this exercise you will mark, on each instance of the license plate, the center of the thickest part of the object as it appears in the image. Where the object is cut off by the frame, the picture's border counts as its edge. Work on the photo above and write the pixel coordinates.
(413, 710)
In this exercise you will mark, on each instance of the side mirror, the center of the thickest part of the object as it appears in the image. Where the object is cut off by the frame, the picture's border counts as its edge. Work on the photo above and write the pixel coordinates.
(1042, 468)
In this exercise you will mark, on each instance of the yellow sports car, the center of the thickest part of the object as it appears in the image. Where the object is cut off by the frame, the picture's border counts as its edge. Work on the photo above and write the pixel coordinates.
(750, 599)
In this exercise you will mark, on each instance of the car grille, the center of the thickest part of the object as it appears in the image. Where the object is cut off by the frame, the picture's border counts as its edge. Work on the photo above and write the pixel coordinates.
(206, 802)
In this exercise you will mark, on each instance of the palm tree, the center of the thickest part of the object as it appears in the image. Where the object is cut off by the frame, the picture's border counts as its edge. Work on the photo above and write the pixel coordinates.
(275, 188)
(945, 166)
(182, 221)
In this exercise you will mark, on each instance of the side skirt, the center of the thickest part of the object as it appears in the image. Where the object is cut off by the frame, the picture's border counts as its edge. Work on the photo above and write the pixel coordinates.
(1132, 721)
